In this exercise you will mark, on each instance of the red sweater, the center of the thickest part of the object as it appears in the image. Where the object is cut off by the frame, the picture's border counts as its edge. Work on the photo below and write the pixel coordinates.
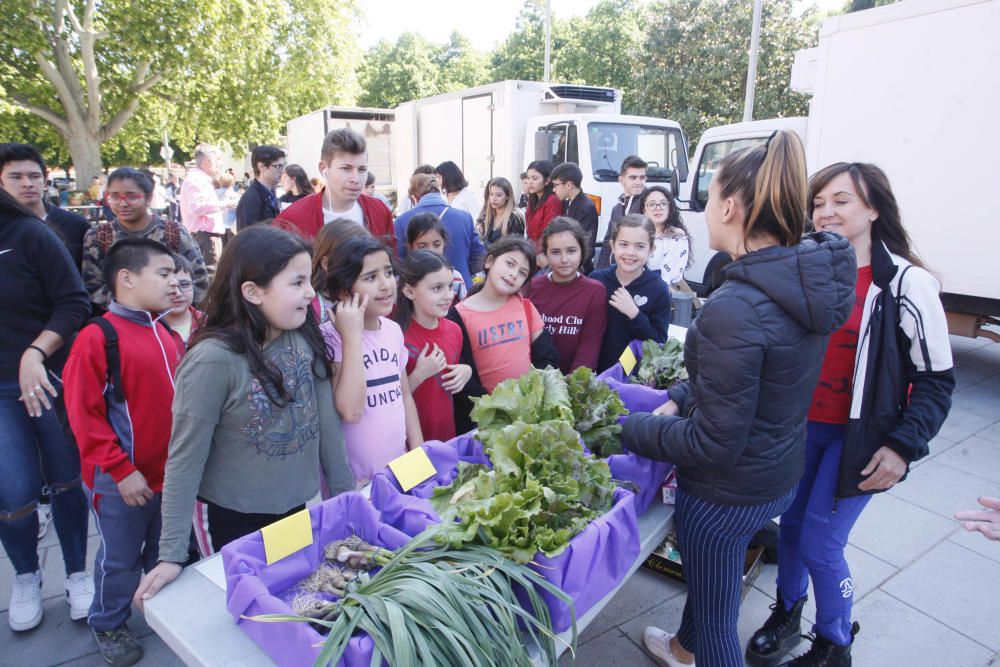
(117, 439)
(576, 314)
(539, 218)
(306, 217)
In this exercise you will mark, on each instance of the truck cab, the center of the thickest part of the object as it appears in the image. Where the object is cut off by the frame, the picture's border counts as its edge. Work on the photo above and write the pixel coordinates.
(705, 272)
(599, 142)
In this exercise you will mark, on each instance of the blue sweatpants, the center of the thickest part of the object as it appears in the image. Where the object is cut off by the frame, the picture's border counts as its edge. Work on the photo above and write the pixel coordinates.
(813, 537)
(130, 544)
(713, 540)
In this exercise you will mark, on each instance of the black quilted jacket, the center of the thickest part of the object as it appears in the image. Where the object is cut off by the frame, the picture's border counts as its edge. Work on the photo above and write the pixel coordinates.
(753, 355)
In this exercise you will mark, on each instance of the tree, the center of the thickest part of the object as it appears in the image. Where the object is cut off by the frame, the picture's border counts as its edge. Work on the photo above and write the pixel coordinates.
(522, 55)
(696, 55)
(111, 76)
(413, 67)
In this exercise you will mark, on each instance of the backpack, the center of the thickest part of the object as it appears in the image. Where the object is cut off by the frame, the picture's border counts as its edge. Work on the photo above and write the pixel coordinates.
(171, 236)
(113, 354)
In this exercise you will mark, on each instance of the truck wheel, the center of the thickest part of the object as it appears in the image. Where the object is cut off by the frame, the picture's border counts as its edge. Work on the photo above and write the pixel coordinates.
(713, 273)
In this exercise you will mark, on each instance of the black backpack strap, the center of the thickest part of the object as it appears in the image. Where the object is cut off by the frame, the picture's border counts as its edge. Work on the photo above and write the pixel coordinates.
(113, 354)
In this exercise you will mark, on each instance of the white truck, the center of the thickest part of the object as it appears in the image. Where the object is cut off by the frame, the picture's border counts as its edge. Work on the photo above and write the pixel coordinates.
(912, 87)
(499, 128)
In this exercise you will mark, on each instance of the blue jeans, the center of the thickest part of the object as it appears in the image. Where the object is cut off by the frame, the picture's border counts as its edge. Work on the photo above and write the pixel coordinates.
(36, 454)
(713, 541)
(813, 536)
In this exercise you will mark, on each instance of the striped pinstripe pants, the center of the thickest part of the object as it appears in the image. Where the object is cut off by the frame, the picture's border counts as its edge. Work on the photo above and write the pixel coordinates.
(713, 540)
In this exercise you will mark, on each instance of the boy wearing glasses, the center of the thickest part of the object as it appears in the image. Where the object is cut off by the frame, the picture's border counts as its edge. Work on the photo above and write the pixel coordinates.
(183, 318)
(566, 179)
(259, 202)
(129, 193)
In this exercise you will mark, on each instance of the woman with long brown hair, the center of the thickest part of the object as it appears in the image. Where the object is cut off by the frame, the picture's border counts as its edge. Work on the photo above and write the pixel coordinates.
(500, 215)
(883, 393)
(736, 429)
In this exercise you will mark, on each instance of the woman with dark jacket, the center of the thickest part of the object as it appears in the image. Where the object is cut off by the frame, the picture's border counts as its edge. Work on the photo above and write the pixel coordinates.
(42, 304)
(883, 393)
(737, 429)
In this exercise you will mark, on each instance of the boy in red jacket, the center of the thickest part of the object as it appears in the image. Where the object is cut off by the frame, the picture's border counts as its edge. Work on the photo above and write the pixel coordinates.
(121, 420)
(344, 167)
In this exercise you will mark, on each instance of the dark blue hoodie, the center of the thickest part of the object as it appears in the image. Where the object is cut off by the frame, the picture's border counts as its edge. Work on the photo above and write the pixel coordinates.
(753, 355)
(652, 296)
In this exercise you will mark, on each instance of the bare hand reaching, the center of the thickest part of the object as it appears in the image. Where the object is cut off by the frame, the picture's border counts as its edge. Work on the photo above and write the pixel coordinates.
(985, 521)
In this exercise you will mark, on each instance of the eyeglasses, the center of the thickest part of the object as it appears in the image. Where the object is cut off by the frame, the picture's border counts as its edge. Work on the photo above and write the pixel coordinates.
(130, 197)
(557, 184)
(280, 166)
(185, 285)
(657, 205)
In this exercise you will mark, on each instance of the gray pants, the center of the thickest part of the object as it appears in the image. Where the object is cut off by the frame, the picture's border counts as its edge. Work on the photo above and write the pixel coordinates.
(130, 544)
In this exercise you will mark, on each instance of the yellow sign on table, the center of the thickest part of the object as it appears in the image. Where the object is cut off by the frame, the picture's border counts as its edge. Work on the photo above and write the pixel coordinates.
(412, 468)
(285, 537)
(628, 360)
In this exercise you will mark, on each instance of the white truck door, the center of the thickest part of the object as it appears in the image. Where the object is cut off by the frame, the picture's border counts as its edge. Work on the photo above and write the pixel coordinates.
(477, 140)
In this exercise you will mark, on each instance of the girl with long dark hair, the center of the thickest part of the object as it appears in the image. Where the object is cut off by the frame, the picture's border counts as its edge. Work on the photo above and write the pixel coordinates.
(543, 204)
(500, 215)
(252, 420)
(736, 429)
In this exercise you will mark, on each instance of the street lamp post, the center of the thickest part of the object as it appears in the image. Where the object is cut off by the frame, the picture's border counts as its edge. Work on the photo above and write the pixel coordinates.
(752, 67)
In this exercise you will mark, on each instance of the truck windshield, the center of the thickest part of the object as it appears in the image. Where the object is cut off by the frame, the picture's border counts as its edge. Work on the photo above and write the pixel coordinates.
(661, 147)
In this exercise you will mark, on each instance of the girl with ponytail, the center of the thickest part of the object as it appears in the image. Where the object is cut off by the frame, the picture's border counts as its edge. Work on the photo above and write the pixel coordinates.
(736, 429)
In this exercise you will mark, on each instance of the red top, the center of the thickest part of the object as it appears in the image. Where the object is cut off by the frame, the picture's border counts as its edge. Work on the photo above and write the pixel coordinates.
(306, 218)
(831, 402)
(435, 406)
(539, 218)
(115, 440)
(576, 314)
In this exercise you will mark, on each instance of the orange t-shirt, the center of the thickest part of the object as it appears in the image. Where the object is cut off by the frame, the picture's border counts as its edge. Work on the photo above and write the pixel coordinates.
(501, 339)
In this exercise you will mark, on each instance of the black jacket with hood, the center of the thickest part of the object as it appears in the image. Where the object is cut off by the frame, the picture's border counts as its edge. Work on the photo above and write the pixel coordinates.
(753, 356)
(625, 205)
(903, 375)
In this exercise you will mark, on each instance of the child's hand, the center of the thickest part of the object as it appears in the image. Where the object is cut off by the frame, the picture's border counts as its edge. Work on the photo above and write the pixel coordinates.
(158, 577)
(622, 301)
(455, 378)
(430, 362)
(349, 316)
(134, 489)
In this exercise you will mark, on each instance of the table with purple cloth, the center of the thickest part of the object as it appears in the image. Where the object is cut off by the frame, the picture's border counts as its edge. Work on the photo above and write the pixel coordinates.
(190, 614)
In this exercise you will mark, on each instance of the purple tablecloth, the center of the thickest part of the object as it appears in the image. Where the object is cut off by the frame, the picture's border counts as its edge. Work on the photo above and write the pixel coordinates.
(254, 588)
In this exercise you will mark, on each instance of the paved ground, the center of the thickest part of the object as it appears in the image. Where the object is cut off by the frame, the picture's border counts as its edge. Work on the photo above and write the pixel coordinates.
(928, 593)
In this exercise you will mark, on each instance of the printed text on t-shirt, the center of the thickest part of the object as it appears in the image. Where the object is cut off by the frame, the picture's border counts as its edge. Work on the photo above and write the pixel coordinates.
(501, 334)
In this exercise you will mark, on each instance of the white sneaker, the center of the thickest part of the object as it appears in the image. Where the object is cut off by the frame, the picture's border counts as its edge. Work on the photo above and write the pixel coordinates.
(44, 519)
(657, 643)
(79, 594)
(26, 602)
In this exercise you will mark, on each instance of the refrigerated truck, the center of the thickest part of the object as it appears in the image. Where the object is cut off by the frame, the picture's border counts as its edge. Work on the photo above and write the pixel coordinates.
(914, 88)
(499, 128)
(305, 139)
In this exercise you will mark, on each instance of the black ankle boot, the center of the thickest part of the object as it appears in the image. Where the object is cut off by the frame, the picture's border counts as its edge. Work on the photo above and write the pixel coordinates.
(824, 653)
(778, 635)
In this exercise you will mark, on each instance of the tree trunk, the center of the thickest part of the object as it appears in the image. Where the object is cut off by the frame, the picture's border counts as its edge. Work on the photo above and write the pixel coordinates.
(85, 150)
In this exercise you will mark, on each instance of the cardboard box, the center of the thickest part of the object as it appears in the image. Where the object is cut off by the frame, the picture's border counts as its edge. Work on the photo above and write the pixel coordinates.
(666, 560)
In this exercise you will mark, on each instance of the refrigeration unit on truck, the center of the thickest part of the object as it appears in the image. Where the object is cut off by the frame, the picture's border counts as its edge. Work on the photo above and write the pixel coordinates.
(499, 128)
(305, 139)
(911, 87)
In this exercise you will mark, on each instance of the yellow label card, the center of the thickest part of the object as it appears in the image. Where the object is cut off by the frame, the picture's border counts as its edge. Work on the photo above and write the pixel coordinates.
(627, 360)
(285, 537)
(412, 468)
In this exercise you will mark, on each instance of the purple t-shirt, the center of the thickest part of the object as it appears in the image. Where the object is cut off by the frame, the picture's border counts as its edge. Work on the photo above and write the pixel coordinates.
(380, 436)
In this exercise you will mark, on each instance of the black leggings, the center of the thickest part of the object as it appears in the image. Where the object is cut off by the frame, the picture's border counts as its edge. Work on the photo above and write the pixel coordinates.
(226, 525)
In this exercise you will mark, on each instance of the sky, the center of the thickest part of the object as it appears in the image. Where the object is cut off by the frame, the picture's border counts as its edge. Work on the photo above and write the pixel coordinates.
(484, 22)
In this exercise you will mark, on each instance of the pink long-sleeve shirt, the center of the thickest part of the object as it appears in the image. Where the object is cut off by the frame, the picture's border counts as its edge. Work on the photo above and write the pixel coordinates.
(201, 210)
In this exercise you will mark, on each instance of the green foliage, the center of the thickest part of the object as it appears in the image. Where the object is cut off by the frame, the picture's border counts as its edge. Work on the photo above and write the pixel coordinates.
(543, 490)
(115, 74)
(661, 366)
(596, 409)
(413, 67)
(696, 60)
